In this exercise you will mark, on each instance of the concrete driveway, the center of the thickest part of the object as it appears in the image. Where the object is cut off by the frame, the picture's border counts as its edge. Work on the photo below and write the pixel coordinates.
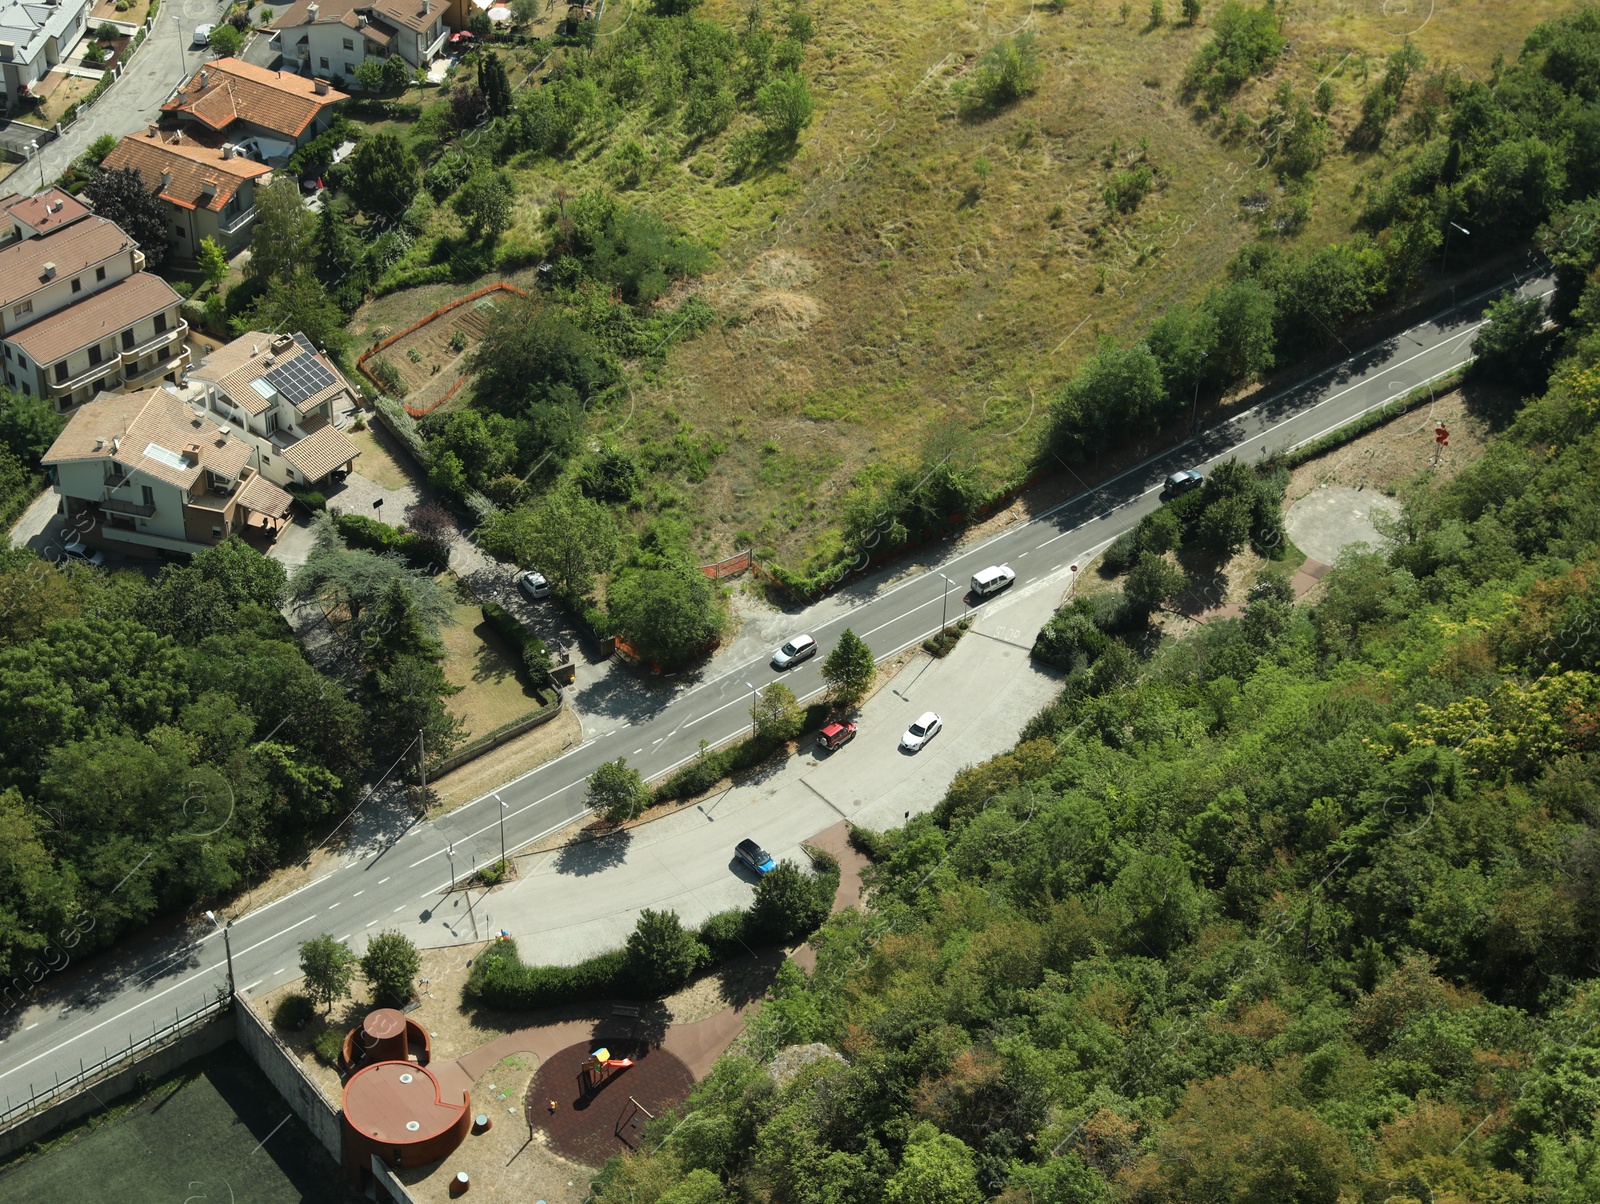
(1328, 520)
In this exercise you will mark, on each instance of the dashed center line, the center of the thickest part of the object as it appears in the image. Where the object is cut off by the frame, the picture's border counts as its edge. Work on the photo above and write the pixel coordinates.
(381, 881)
(358, 894)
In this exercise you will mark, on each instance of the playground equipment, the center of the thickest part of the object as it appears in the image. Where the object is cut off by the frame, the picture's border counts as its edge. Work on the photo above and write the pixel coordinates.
(600, 1067)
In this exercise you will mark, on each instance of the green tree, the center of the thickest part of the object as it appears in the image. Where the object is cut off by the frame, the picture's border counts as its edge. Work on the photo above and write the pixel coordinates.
(226, 41)
(397, 75)
(369, 74)
(1510, 347)
(1116, 392)
(785, 106)
(28, 425)
(120, 195)
(936, 1168)
(485, 202)
(670, 614)
(662, 954)
(849, 670)
(101, 147)
(390, 966)
(300, 304)
(1159, 903)
(281, 238)
(532, 353)
(790, 902)
(567, 537)
(1158, 14)
(382, 176)
(494, 82)
(1242, 314)
(1191, 11)
(1008, 71)
(213, 262)
(617, 792)
(777, 715)
(1154, 582)
(329, 967)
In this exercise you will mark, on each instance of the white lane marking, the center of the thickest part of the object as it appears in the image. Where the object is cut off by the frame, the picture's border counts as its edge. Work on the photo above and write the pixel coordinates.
(278, 971)
(381, 881)
(344, 938)
(358, 894)
(369, 923)
(331, 906)
(35, 1024)
(254, 985)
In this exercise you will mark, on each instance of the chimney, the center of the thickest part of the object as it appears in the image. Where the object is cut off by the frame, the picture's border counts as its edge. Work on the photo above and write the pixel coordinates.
(154, 132)
(166, 179)
(116, 445)
(209, 188)
(99, 443)
(49, 271)
(191, 452)
(361, 20)
(283, 342)
(427, 7)
(177, 137)
(203, 75)
(227, 150)
(311, 11)
(321, 87)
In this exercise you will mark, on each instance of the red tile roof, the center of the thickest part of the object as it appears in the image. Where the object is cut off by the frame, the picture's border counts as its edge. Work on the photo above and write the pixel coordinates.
(230, 90)
(73, 249)
(190, 163)
(96, 318)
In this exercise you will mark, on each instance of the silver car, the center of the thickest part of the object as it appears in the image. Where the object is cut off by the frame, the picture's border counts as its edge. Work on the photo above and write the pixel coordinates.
(802, 647)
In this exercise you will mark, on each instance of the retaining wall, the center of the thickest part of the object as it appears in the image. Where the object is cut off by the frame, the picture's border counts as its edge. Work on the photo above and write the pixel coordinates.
(284, 1070)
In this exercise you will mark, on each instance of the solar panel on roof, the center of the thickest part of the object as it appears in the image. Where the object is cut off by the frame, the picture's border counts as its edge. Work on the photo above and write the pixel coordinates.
(305, 342)
(300, 379)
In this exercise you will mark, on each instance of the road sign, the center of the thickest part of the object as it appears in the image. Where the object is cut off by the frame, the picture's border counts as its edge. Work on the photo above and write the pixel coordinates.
(1441, 436)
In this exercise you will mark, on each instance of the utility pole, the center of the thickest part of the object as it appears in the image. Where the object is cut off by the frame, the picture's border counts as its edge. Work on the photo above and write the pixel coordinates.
(501, 801)
(228, 945)
(1449, 226)
(752, 690)
(470, 916)
(944, 605)
(450, 852)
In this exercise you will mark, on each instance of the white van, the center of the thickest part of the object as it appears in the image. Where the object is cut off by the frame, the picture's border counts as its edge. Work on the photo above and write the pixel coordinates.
(992, 580)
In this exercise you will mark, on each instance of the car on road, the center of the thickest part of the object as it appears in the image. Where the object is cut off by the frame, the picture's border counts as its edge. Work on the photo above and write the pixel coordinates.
(202, 34)
(76, 549)
(836, 735)
(802, 647)
(533, 584)
(753, 855)
(992, 580)
(1180, 483)
(919, 733)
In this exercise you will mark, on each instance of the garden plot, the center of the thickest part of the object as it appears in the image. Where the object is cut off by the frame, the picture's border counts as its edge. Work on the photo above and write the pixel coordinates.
(425, 364)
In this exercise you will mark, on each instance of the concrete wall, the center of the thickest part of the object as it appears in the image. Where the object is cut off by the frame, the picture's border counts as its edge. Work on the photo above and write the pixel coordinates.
(283, 1069)
(212, 1035)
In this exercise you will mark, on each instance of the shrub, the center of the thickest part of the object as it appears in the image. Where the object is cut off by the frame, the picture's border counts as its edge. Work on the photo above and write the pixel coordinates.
(790, 902)
(387, 374)
(1008, 71)
(107, 32)
(329, 1046)
(1244, 41)
(723, 934)
(662, 954)
(294, 1011)
(501, 980)
(309, 498)
(530, 649)
(390, 965)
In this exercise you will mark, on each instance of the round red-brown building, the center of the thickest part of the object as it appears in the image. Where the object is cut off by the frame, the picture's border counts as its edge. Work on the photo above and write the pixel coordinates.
(399, 1112)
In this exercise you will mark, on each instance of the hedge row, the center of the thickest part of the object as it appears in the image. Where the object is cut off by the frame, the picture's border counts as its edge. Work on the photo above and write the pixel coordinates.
(1373, 419)
(706, 771)
(501, 979)
(535, 656)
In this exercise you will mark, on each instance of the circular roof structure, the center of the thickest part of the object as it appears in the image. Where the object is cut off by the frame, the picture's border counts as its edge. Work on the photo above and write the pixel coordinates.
(399, 1104)
(384, 1024)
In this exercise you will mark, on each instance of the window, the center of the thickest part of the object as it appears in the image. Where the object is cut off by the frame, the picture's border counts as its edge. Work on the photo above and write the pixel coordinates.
(61, 371)
(216, 532)
(21, 362)
(161, 323)
(27, 389)
(266, 461)
(349, 44)
(77, 284)
(373, 50)
(164, 354)
(94, 355)
(8, 350)
(182, 233)
(349, 68)
(127, 339)
(272, 421)
(324, 63)
(148, 494)
(25, 307)
(100, 272)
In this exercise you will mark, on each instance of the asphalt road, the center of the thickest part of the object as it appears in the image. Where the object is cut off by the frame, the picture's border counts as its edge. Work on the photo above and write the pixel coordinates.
(404, 884)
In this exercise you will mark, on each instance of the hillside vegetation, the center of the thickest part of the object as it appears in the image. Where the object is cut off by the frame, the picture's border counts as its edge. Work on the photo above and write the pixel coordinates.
(1300, 908)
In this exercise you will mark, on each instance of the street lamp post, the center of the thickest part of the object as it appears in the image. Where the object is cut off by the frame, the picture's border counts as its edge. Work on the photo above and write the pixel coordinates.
(753, 692)
(502, 803)
(183, 63)
(1449, 226)
(227, 944)
(944, 604)
(39, 155)
(1194, 410)
(450, 852)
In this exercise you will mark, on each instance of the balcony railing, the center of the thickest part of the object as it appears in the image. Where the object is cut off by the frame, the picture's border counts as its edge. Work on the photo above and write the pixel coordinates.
(131, 354)
(119, 506)
(116, 480)
(96, 372)
(240, 222)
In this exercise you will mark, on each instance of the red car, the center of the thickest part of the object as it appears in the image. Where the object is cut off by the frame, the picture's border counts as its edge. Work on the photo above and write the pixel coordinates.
(836, 735)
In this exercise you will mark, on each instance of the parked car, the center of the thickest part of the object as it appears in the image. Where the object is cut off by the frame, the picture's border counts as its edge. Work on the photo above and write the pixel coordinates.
(1180, 483)
(992, 580)
(919, 733)
(836, 735)
(753, 855)
(202, 34)
(76, 549)
(802, 647)
(533, 584)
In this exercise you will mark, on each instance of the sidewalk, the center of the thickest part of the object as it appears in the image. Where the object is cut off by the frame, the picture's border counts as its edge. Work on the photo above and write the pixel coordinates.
(568, 904)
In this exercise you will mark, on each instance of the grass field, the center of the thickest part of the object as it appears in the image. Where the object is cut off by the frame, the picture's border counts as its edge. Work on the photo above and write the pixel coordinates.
(917, 275)
(478, 661)
(209, 1133)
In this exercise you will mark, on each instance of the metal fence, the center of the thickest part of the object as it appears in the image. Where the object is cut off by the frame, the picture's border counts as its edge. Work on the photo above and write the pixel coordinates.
(137, 1047)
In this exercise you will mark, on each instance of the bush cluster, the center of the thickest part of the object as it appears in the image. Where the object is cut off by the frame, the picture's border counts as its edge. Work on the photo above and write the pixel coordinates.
(530, 648)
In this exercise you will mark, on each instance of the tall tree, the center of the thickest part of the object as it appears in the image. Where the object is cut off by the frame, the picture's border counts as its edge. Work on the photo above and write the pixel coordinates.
(119, 194)
(617, 792)
(382, 176)
(485, 202)
(670, 614)
(567, 537)
(213, 262)
(390, 966)
(281, 238)
(329, 967)
(662, 954)
(849, 669)
(28, 425)
(494, 82)
(300, 303)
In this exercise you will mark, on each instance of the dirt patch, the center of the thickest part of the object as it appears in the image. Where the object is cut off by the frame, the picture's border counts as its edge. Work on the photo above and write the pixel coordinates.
(63, 95)
(378, 463)
(1397, 452)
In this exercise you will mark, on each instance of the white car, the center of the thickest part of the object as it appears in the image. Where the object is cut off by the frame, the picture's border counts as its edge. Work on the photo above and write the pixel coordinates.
(76, 549)
(919, 733)
(202, 34)
(533, 584)
(992, 580)
(802, 647)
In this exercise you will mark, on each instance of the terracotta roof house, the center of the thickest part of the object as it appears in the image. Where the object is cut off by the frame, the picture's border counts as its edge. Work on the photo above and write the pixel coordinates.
(328, 39)
(267, 115)
(285, 397)
(78, 314)
(209, 188)
(35, 35)
(40, 214)
(149, 472)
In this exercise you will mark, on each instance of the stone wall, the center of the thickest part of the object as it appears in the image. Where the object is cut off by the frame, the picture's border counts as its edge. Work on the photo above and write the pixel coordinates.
(292, 1082)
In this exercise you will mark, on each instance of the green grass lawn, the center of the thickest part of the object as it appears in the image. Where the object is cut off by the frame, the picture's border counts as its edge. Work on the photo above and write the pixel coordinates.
(209, 1132)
